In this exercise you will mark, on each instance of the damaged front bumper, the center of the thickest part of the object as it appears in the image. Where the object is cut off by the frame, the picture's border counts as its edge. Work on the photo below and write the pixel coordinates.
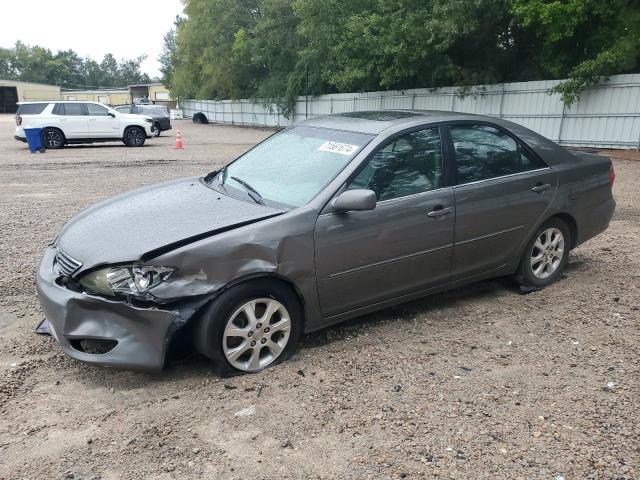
(130, 336)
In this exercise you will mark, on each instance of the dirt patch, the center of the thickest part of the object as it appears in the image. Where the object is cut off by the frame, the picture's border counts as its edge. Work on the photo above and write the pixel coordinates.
(479, 382)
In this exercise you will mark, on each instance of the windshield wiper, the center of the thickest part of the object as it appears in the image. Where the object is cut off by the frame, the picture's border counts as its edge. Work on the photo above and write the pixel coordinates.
(253, 193)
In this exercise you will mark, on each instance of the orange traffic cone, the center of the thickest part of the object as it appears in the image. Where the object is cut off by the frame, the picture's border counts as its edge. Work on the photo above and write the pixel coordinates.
(179, 145)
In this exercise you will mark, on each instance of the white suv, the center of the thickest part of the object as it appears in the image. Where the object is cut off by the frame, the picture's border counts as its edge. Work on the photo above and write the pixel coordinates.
(81, 122)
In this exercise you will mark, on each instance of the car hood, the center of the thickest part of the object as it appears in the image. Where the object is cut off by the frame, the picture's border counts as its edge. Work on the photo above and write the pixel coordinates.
(133, 225)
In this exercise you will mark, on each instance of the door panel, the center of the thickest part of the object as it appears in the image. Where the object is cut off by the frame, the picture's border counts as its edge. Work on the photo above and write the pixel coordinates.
(494, 216)
(103, 127)
(405, 243)
(503, 190)
(397, 248)
(101, 124)
(72, 119)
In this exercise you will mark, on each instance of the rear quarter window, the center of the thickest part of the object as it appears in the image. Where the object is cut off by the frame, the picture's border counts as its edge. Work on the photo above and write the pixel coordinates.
(31, 108)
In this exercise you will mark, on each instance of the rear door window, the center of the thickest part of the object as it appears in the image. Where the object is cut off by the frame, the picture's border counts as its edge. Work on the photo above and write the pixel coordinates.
(31, 108)
(529, 161)
(483, 152)
(71, 109)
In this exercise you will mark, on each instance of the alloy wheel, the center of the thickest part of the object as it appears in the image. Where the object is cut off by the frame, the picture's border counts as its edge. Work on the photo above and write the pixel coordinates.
(256, 334)
(547, 253)
(135, 136)
(53, 139)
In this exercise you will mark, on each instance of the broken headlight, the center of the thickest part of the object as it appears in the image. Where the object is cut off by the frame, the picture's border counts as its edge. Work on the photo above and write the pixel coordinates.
(134, 280)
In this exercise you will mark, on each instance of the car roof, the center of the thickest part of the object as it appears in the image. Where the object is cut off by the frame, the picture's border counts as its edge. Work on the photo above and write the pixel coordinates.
(376, 121)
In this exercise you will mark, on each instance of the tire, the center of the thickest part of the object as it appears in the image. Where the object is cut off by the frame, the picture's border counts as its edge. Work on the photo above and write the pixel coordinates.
(134, 137)
(546, 255)
(53, 138)
(259, 344)
(156, 130)
(200, 118)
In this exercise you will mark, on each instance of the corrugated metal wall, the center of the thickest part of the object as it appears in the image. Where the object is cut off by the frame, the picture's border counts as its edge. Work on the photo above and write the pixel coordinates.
(607, 116)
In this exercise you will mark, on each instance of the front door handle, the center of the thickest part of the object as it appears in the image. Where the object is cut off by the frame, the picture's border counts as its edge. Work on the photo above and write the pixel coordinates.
(539, 188)
(439, 211)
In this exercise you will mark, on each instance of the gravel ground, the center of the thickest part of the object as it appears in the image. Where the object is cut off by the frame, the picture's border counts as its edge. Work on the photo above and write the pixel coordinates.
(479, 382)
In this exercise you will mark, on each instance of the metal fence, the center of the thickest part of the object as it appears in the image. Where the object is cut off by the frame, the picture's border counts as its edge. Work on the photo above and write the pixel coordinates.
(606, 116)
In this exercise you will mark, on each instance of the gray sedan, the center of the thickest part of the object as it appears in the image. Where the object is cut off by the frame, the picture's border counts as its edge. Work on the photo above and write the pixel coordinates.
(326, 220)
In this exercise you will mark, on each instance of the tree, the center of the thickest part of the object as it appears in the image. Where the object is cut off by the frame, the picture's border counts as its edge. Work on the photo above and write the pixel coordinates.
(206, 65)
(269, 47)
(93, 73)
(583, 39)
(7, 69)
(67, 69)
(110, 70)
(275, 50)
(169, 56)
(129, 71)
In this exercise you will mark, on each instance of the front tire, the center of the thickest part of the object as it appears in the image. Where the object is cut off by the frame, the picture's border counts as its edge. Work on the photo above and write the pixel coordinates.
(156, 130)
(134, 137)
(53, 138)
(546, 255)
(250, 327)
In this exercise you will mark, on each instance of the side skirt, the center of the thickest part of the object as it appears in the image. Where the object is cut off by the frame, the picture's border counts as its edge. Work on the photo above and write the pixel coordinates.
(328, 321)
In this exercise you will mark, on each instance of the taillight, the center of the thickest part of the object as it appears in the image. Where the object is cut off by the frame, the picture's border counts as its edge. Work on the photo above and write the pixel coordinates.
(18, 120)
(612, 175)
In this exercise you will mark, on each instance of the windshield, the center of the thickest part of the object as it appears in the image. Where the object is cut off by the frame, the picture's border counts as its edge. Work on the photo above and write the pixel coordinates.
(292, 166)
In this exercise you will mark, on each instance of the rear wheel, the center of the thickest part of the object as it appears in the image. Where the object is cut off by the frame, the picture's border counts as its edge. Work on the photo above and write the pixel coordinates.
(546, 255)
(251, 326)
(53, 138)
(134, 137)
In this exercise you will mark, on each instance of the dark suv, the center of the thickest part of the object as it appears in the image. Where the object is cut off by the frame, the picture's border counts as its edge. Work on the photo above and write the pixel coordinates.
(159, 114)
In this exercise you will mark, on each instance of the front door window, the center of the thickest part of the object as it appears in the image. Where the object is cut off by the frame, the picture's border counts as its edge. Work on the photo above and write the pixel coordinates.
(408, 165)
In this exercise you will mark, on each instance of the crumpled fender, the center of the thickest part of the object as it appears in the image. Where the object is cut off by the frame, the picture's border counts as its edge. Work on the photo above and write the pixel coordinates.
(280, 246)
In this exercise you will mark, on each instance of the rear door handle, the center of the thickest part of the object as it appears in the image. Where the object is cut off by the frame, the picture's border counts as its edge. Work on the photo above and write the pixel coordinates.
(541, 188)
(439, 211)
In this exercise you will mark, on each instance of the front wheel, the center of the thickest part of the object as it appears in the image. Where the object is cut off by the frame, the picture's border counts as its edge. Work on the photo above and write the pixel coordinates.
(134, 137)
(156, 130)
(251, 326)
(546, 255)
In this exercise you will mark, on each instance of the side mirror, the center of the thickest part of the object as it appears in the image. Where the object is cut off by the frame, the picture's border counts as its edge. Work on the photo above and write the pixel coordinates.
(354, 201)
(111, 114)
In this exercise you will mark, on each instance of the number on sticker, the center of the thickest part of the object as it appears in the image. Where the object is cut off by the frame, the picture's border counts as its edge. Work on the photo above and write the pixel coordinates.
(341, 148)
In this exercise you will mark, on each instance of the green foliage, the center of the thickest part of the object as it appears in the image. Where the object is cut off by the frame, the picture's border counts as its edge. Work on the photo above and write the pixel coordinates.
(276, 50)
(586, 40)
(67, 69)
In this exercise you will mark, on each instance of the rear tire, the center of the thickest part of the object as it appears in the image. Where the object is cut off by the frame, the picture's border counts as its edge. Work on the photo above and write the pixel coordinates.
(200, 118)
(239, 343)
(53, 138)
(134, 137)
(546, 255)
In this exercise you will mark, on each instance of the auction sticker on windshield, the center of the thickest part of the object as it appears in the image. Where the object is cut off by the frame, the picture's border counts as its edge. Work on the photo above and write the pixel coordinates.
(341, 148)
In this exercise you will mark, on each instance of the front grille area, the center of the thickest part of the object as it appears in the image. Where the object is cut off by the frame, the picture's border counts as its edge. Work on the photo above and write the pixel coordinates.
(67, 265)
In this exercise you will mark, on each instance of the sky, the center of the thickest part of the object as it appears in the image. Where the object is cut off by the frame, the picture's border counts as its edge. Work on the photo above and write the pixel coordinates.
(126, 28)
